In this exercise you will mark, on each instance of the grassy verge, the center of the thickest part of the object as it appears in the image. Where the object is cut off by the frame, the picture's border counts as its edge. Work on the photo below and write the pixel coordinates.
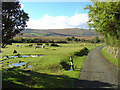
(109, 57)
(46, 71)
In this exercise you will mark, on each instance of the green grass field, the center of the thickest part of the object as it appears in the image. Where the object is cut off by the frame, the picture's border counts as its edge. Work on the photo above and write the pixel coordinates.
(46, 71)
(109, 57)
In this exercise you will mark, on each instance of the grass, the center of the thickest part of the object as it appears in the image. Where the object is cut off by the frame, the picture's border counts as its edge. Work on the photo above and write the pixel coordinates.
(109, 57)
(46, 71)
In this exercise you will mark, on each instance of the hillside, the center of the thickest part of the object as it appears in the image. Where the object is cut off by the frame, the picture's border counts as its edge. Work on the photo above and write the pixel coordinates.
(57, 32)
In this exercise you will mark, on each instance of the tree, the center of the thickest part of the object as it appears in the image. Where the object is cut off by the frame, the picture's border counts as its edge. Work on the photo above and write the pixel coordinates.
(13, 20)
(68, 39)
(72, 37)
(105, 18)
(14, 51)
(75, 39)
(97, 40)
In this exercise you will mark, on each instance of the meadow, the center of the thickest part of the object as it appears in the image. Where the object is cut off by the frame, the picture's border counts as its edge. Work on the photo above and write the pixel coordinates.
(52, 70)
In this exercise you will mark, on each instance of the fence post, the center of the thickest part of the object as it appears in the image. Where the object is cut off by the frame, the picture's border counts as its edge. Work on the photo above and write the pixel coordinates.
(72, 63)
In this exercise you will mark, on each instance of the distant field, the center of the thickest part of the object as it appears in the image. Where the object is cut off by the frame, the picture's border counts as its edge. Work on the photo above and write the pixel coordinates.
(58, 32)
(46, 71)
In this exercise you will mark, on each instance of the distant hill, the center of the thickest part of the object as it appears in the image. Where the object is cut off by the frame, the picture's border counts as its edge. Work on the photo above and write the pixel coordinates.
(57, 32)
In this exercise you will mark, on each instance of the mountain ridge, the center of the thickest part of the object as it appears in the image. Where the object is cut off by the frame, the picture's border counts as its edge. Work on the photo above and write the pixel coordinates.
(77, 32)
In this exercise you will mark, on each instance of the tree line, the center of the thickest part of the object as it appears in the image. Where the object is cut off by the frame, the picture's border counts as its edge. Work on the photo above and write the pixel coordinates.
(94, 40)
(66, 40)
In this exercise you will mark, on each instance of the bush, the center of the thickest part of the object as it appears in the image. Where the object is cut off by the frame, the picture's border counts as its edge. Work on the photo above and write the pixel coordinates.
(65, 65)
(14, 51)
(46, 44)
(60, 41)
(53, 44)
(82, 52)
(30, 45)
(18, 55)
(39, 44)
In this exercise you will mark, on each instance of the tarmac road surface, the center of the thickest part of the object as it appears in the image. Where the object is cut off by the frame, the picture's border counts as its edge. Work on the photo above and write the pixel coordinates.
(97, 72)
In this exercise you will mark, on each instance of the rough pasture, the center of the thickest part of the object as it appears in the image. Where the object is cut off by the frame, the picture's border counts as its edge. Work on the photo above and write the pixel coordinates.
(47, 66)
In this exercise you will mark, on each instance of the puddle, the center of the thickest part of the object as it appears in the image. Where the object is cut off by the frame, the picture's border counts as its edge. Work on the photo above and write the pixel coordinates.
(29, 66)
(13, 56)
(10, 65)
(23, 56)
(69, 70)
(5, 57)
(33, 55)
(23, 63)
(19, 64)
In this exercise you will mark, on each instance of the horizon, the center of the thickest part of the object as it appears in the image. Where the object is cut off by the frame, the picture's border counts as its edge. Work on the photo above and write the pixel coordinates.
(61, 29)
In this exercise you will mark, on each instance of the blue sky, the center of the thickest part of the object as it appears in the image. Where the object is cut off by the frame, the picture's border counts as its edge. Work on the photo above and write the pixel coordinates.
(56, 15)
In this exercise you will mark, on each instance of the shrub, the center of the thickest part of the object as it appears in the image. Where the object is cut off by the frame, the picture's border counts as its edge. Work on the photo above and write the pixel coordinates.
(18, 55)
(7, 57)
(30, 45)
(53, 44)
(39, 44)
(82, 52)
(14, 51)
(60, 41)
(65, 65)
(46, 44)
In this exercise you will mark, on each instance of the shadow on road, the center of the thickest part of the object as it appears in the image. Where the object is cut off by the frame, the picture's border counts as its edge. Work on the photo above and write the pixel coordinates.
(93, 84)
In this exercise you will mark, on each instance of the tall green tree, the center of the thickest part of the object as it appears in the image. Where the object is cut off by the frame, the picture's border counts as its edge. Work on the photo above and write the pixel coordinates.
(13, 21)
(105, 18)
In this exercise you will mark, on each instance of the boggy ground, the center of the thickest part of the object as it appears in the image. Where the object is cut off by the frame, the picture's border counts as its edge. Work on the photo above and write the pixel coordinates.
(46, 71)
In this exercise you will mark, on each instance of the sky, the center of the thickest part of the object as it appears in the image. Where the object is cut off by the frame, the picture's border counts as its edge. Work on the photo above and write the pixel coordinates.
(56, 15)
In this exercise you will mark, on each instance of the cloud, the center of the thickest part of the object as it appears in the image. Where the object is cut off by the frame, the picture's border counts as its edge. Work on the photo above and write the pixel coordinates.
(22, 6)
(59, 22)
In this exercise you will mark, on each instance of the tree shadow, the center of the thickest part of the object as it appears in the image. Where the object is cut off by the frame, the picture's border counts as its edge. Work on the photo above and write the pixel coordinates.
(17, 78)
(10, 84)
(82, 52)
(93, 84)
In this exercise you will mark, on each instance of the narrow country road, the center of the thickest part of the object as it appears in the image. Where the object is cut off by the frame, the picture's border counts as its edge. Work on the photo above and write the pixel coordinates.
(97, 72)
